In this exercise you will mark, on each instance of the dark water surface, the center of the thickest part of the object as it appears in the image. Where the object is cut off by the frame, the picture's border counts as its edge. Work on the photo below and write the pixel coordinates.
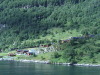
(20, 68)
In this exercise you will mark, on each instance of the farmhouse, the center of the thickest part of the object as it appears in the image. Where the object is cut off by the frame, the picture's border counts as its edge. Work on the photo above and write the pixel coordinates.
(11, 54)
(22, 51)
(25, 51)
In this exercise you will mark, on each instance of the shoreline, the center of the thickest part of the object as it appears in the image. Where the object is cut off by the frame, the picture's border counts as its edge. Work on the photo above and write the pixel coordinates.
(48, 62)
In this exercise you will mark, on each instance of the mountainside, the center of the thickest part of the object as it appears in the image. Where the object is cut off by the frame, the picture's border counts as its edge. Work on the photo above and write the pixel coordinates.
(34, 22)
(72, 26)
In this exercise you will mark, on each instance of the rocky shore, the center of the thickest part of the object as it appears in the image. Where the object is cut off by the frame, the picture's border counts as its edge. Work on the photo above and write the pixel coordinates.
(35, 61)
(48, 62)
(87, 65)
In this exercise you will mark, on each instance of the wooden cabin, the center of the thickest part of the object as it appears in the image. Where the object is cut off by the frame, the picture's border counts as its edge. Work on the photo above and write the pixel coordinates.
(22, 51)
(25, 51)
(12, 54)
(64, 41)
(19, 51)
(48, 45)
(29, 53)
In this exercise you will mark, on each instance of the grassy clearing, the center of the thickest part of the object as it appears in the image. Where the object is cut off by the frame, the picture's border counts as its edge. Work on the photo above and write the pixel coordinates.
(6, 53)
(58, 34)
(24, 57)
(45, 56)
(3, 54)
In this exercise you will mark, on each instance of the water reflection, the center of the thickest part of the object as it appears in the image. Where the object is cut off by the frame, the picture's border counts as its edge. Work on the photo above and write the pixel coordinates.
(19, 68)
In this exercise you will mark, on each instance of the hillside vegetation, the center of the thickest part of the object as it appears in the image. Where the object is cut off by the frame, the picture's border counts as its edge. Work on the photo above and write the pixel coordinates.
(29, 23)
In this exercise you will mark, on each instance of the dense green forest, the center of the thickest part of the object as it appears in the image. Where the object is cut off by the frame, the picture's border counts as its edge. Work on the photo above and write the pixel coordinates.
(29, 23)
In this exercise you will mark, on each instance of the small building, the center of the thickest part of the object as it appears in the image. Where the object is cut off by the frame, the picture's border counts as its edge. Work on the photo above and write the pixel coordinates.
(48, 45)
(33, 51)
(64, 41)
(30, 53)
(22, 51)
(12, 54)
(25, 51)
(19, 51)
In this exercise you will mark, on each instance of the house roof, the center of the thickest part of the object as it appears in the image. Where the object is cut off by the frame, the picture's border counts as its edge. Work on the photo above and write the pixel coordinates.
(19, 50)
(32, 50)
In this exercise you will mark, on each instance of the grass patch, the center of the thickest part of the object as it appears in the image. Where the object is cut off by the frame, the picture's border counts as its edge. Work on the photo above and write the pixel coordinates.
(3, 54)
(45, 56)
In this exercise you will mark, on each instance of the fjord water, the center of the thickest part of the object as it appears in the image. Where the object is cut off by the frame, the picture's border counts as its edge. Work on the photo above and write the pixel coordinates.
(23, 68)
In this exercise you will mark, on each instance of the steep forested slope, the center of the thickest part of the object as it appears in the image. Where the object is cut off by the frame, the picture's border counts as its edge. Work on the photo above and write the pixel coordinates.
(25, 22)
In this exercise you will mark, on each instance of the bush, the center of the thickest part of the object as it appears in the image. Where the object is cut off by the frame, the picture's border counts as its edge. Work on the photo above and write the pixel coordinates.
(55, 55)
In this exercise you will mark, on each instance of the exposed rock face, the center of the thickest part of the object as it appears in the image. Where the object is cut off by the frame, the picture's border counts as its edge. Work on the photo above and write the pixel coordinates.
(46, 49)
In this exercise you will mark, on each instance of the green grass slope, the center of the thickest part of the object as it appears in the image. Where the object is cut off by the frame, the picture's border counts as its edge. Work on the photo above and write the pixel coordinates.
(29, 23)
